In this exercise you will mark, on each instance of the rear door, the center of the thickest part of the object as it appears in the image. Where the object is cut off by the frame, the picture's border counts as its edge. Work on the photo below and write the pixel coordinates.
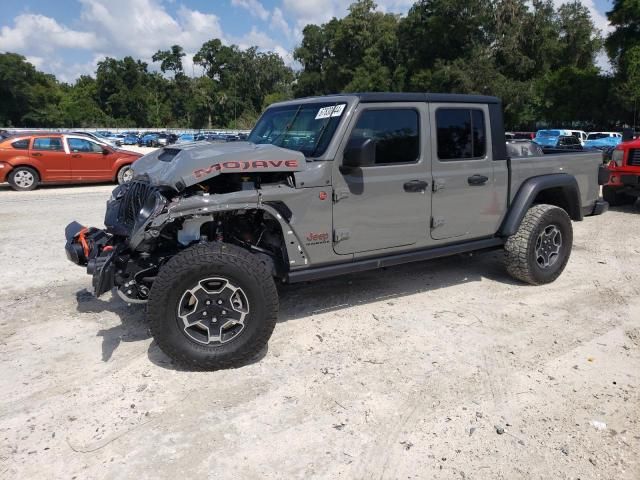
(384, 205)
(465, 201)
(88, 160)
(51, 159)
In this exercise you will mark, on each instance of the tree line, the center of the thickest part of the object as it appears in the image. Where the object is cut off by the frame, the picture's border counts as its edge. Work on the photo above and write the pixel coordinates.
(541, 60)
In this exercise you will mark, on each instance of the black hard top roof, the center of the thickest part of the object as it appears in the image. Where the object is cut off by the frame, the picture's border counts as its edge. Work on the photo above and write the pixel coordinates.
(425, 97)
(374, 97)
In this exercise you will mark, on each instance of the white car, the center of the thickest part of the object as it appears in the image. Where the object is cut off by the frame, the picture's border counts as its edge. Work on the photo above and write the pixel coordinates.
(580, 134)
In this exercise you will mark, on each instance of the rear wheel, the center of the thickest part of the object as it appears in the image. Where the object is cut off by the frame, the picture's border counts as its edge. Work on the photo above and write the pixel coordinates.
(125, 174)
(213, 306)
(615, 198)
(24, 179)
(540, 249)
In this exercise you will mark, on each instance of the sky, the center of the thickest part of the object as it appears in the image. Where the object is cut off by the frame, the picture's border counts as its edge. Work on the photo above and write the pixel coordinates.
(68, 37)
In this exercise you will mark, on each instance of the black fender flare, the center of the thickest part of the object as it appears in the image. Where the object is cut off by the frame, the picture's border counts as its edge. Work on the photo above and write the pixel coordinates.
(528, 192)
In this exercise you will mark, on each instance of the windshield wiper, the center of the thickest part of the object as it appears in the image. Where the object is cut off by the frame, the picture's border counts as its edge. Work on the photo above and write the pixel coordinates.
(286, 130)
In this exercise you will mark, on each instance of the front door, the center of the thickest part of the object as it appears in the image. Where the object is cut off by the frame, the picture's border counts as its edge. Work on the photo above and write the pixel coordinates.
(49, 154)
(465, 202)
(386, 204)
(88, 160)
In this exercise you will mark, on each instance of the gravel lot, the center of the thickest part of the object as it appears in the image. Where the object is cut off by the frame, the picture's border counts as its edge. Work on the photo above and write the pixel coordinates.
(410, 372)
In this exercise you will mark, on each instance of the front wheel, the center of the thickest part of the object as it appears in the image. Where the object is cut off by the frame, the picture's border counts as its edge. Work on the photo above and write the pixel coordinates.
(125, 174)
(213, 306)
(540, 249)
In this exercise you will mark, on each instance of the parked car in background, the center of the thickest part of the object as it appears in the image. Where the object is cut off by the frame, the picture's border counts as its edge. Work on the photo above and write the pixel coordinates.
(163, 139)
(28, 160)
(97, 138)
(191, 137)
(215, 137)
(186, 138)
(579, 134)
(549, 138)
(524, 135)
(563, 143)
(623, 186)
(130, 139)
(149, 140)
(603, 140)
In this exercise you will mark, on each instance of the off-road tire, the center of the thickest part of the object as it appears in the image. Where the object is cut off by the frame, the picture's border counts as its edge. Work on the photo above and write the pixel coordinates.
(16, 172)
(189, 267)
(520, 248)
(615, 198)
(120, 177)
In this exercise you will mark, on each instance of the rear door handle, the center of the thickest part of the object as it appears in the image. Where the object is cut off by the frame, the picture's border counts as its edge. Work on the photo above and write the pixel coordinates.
(477, 180)
(416, 186)
(76, 155)
(36, 154)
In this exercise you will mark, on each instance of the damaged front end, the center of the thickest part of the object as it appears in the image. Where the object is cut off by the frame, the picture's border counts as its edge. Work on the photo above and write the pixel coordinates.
(116, 256)
(182, 196)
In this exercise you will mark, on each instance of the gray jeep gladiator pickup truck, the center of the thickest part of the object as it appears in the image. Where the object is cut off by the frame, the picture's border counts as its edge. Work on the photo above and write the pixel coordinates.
(325, 186)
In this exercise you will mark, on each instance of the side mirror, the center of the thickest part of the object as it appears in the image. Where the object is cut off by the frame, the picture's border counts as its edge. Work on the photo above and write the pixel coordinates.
(105, 151)
(627, 134)
(360, 152)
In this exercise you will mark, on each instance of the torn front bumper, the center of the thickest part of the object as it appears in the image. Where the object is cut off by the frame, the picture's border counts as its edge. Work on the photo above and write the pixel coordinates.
(91, 247)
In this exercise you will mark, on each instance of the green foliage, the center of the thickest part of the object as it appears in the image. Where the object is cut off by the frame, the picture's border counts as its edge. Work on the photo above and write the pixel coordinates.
(539, 58)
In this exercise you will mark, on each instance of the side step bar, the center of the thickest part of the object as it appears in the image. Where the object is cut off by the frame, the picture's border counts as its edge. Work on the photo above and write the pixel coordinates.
(328, 271)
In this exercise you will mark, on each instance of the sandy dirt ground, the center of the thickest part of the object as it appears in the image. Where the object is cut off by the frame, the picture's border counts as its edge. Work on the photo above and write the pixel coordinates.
(437, 370)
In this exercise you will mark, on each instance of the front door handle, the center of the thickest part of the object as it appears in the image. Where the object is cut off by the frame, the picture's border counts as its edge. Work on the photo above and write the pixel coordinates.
(477, 180)
(416, 186)
(76, 155)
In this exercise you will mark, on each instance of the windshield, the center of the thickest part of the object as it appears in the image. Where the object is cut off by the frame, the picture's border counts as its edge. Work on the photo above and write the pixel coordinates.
(548, 133)
(307, 128)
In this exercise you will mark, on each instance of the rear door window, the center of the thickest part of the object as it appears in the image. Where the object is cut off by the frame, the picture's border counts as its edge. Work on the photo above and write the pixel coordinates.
(48, 143)
(461, 133)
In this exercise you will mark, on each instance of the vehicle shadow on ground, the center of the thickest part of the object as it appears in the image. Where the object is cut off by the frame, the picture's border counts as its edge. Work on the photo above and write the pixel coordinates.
(132, 328)
(633, 208)
(299, 301)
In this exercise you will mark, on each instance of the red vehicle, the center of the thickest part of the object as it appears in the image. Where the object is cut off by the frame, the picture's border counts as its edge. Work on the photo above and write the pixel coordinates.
(28, 160)
(623, 187)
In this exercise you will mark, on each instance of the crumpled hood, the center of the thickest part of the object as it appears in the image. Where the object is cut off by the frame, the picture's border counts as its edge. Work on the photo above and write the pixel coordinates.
(180, 166)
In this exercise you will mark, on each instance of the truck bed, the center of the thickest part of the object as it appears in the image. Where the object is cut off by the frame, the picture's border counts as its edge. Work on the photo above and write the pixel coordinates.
(582, 165)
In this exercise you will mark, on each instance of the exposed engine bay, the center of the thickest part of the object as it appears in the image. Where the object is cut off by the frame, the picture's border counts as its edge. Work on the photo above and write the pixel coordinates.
(147, 225)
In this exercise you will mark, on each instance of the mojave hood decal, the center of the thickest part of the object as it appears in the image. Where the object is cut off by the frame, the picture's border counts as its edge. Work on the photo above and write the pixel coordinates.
(192, 163)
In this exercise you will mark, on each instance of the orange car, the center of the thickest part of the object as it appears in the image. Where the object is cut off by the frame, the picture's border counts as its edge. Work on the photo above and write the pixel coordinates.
(27, 160)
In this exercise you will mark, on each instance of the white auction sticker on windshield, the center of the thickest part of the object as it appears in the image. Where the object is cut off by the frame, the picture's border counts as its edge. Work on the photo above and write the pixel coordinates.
(337, 111)
(333, 111)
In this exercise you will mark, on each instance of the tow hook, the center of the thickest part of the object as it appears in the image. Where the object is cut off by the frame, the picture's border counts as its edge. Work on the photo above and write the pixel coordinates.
(132, 292)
